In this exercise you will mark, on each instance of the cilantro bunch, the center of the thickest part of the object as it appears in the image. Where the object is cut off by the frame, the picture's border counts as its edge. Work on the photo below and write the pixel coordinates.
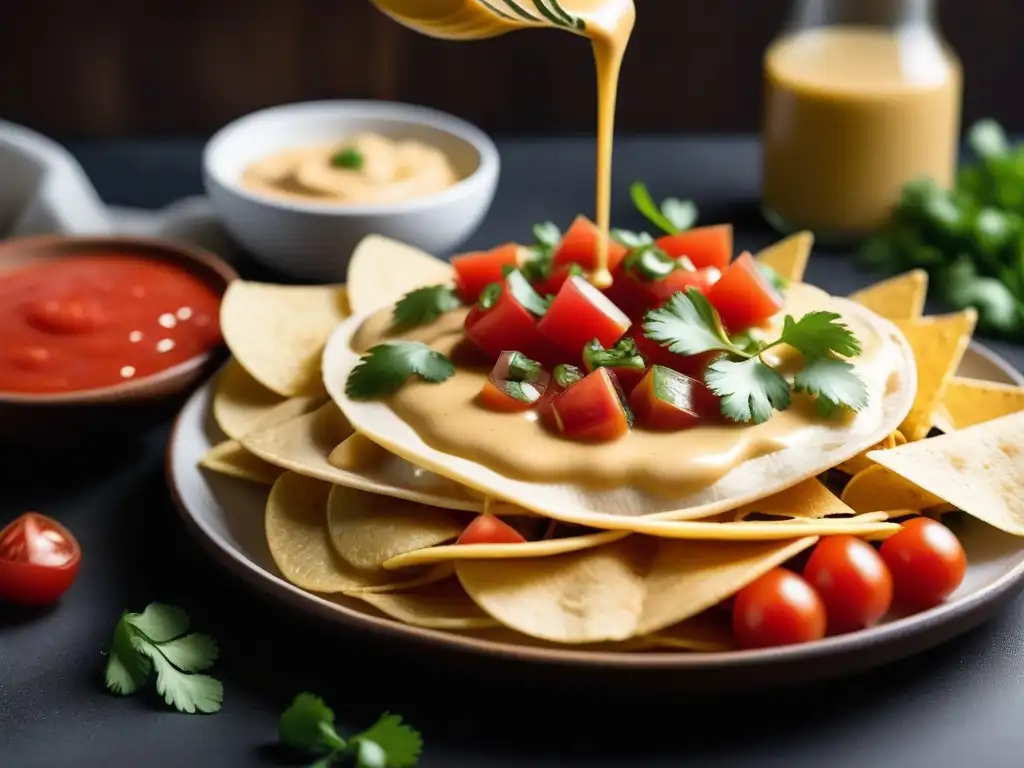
(970, 239)
(749, 386)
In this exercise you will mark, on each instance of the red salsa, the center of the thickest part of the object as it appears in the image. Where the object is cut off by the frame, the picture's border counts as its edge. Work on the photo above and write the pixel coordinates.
(86, 322)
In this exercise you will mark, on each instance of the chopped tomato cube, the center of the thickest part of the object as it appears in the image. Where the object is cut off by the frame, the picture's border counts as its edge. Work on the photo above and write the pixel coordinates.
(579, 246)
(704, 246)
(579, 313)
(488, 529)
(556, 278)
(624, 360)
(743, 297)
(669, 400)
(475, 271)
(592, 410)
(515, 383)
(506, 324)
(563, 377)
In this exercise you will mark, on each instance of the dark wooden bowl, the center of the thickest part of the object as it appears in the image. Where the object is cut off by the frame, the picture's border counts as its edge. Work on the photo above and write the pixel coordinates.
(55, 422)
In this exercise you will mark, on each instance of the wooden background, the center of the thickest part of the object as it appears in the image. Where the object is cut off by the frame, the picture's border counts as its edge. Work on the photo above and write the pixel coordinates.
(109, 68)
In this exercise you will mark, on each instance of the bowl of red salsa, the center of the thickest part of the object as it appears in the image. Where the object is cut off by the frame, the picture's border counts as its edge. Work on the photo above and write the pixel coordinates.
(102, 334)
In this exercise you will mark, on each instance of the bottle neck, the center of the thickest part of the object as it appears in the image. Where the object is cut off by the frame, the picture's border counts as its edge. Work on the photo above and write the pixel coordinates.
(880, 13)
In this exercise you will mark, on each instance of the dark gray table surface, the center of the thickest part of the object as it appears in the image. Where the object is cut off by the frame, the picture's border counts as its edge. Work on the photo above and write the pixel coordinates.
(961, 704)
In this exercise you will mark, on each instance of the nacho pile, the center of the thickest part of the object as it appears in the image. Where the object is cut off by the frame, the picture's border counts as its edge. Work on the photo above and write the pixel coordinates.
(435, 543)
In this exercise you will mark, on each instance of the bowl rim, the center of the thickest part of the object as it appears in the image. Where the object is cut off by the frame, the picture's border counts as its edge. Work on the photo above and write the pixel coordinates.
(487, 169)
(211, 263)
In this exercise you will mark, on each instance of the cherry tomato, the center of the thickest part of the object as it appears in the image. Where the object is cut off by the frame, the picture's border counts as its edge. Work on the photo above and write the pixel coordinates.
(488, 529)
(39, 560)
(742, 296)
(704, 246)
(927, 562)
(852, 580)
(780, 608)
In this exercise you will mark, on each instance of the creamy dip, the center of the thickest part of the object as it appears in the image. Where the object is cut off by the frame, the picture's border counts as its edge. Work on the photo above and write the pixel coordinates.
(363, 169)
(448, 417)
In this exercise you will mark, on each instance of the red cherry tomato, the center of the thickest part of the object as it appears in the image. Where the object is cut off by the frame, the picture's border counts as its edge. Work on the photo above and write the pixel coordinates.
(852, 580)
(475, 271)
(927, 562)
(488, 529)
(780, 608)
(742, 296)
(579, 246)
(39, 560)
(704, 246)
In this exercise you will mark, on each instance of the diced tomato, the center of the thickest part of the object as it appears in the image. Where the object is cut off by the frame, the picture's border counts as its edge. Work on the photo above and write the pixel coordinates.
(475, 271)
(580, 243)
(556, 279)
(579, 313)
(668, 400)
(635, 295)
(743, 297)
(488, 529)
(508, 325)
(515, 383)
(509, 396)
(693, 366)
(704, 246)
(563, 377)
(592, 410)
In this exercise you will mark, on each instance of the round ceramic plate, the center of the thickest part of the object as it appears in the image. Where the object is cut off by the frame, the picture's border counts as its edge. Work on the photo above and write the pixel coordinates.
(226, 515)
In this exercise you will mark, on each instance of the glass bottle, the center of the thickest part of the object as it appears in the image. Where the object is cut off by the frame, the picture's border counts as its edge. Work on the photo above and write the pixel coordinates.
(861, 96)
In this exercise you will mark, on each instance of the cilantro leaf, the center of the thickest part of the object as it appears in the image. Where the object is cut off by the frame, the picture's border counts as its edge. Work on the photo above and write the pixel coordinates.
(624, 354)
(370, 754)
(547, 233)
(820, 334)
(184, 692)
(349, 158)
(191, 653)
(424, 305)
(386, 367)
(127, 670)
(401, 743)
(750, 390)
(524, 293)
(159, 622)
(834, 384)
(309, 724)
(673, 216)
(631, 240)
(688, 325)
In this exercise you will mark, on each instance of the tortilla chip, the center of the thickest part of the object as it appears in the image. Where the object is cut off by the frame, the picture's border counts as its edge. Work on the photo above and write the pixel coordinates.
(788, 257)
(939, 343)
(809, 500)
(973, 401)
(443, 605)
(860, 462)
(522, 551)
(367, 530)
(877, 489)
(898, 298)
(979, 470)
(277, 332)
(941, 418)
(708, 632)
(382, 270)
(239, 401)
(633, 587)
(305, 444)
(230, 458)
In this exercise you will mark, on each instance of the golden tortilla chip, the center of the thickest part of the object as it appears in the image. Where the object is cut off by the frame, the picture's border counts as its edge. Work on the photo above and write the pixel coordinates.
(860, 462)
(898, 298)
(633, 587)
(443, 605)
(382, 270)
(939, 343)
(979, 470)
(809, 499)
(973, 401)
(788, 257)
(305, 444)
(240, 402)
(230, 458)
(877, 489)
(277, 332)
(367, 530)
(708, 632)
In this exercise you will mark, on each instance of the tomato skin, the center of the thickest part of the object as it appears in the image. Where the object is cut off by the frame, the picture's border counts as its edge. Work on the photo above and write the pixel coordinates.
(39, 560)
(852, 580)
(743, 297)
(636, 297)
(704, 246)
(668, 400)
(579, 246)
(579, 314)
(927, 562)
(592, 410)
(780, 608)
(475, 271)
(488, 529)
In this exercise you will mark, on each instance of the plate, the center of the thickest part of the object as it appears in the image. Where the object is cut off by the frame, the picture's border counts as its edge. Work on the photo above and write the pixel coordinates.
(226, 516)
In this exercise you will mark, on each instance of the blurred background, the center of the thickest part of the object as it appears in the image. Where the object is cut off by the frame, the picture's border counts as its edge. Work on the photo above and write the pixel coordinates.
(116, 68)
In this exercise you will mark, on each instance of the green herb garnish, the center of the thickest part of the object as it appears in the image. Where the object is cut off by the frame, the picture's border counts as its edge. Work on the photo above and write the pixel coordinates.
(650, 263)
(566, 375)
(631, 240)
(523, 391)
(156, 640)
(623, 355)
(489, 296)
(537, 265)
(749, 387)
(424, 305)
(523, 369)
(525, 294)
(672, 216)
(386, 367)
(308, 725)
(349, 158)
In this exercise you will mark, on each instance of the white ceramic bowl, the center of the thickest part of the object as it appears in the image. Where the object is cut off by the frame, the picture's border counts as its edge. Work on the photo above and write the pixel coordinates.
(313, 240)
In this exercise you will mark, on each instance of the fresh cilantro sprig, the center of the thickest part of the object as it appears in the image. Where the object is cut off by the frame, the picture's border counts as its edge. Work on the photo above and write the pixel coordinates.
(424, 305)
(156, 640)
(308, 725)
(386, 367)
(750, 388)
(672, 216)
